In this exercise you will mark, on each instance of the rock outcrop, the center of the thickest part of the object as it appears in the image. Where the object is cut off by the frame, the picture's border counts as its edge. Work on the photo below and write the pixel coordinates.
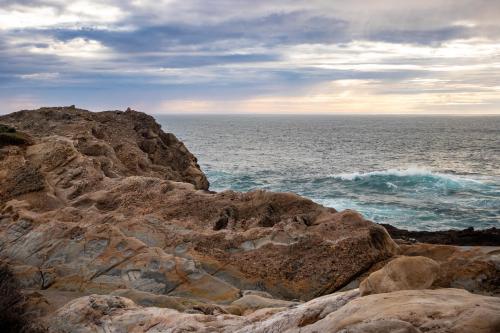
(475, 269)
(444, 310)
(465, 237)
(107, 223)
(422, 266)
(118, 143)
(108, 201)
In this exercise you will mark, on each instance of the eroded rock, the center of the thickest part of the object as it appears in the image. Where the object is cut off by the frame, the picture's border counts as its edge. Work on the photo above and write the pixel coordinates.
(443, 310)
(115, 203)
(107, 203)
(403, 273)
(435, 311)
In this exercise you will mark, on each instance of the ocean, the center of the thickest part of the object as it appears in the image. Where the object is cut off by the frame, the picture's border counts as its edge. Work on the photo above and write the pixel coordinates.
(414, 172)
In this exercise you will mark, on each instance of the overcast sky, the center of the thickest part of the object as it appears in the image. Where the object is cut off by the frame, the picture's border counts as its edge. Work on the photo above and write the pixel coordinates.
(230, 56)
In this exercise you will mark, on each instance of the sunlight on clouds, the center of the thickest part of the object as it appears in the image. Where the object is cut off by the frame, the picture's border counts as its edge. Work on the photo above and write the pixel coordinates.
(342, 96)
(39, 76)
(467, 24)
(72, 15)
(95, 11)
(367, 55)
(25, 17)
(77, 48)
(260, 56)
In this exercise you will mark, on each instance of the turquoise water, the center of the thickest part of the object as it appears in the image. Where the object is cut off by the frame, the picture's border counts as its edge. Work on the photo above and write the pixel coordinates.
(421, 173)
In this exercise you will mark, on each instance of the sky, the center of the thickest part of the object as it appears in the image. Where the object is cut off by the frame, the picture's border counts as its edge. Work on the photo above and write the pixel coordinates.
(234, 56)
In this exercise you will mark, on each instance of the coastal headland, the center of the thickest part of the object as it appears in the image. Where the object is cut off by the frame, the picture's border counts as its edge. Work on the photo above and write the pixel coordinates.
(107, 224)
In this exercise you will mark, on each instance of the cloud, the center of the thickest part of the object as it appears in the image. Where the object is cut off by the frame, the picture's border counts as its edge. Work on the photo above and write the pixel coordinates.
(39, 76)
(347, 96)
(43, 15)
(271, 55)
(76, 48)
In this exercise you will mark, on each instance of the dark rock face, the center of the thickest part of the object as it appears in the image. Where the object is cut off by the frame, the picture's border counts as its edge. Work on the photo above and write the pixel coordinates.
(13, 308)
(9, 136)
(466, 237)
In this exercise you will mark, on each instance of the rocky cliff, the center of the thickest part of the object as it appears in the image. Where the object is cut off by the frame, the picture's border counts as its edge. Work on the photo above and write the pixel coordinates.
(108, 214)
(119, 144)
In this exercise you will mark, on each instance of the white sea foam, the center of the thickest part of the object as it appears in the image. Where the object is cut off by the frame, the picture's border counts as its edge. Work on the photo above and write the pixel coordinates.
(408, 172)
(391, 185)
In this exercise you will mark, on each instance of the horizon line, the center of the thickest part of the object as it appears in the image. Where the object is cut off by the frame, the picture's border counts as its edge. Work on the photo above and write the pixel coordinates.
(321, 114)
(246, 113)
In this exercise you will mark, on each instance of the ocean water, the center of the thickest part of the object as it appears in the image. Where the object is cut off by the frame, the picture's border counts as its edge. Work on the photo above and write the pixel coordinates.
(419, 173)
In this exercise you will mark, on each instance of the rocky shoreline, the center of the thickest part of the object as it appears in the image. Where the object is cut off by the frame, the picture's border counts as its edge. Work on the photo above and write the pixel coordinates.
(465, 237)
(107, 225)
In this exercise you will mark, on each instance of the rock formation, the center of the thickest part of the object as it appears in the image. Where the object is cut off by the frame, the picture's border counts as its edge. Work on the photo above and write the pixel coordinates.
(465, 237)
(409, 311)
(403, 273)
(111, 217)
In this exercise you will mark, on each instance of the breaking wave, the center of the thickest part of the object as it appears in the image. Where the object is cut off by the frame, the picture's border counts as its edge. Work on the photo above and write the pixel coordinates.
(410, 178)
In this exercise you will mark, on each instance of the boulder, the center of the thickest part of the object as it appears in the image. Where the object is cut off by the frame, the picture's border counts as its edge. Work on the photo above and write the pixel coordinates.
(443, 310)
(476, 269)
(403, 273)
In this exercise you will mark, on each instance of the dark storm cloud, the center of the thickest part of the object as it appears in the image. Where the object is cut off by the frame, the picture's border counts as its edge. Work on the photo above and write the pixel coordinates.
(271, 30)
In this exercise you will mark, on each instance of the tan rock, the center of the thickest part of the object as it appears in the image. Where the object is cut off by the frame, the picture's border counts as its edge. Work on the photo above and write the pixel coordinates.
(301, 316)
(180, 304)
(411, 311)
(476, 269)
(403, 273)
(119, 206)
(250, 303)
(117, 314)
(443, 310)
(123, 143)
(107, 203)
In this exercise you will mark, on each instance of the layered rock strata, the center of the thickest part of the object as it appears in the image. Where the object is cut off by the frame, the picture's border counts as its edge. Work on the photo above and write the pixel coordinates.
(107, 223)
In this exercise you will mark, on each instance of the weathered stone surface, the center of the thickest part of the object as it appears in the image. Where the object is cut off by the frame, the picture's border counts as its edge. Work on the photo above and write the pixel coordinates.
(444, 310)
(403, 273)
(117, 314)
(112, 202)
(181, 304)
(475, 269)
(120, 143)
(298, 318)
(107, 203)
(250, 303)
